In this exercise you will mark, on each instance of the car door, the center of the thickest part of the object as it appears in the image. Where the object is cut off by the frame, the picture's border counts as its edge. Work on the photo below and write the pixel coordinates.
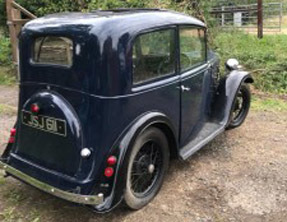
(155, 78)
(193, 68)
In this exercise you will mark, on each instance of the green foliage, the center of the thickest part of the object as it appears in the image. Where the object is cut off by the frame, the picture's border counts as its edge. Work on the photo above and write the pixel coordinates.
(108, 4)
(266, 58)
(43, 7)
(5, 51)
(268, 104)
(7, 75)
(2, 13)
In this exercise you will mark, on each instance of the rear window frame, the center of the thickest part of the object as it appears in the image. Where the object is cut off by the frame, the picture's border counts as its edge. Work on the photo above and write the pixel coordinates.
(54, 65)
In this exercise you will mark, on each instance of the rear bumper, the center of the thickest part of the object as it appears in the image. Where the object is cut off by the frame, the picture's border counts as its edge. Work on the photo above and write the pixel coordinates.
(72, 197)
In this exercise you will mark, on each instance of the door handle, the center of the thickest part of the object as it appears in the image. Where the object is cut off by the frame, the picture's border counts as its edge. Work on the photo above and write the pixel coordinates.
(184, 89)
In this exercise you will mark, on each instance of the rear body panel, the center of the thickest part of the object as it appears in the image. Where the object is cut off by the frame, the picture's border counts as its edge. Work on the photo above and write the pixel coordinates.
(92, 121)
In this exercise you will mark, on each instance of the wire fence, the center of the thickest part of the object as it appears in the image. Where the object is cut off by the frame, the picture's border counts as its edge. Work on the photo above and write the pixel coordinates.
(245, 16)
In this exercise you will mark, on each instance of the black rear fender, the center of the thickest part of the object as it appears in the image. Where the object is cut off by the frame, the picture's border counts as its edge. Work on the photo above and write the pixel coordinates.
(125, 144)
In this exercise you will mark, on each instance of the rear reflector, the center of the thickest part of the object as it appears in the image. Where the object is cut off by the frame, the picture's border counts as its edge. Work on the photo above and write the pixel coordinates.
(109, 171)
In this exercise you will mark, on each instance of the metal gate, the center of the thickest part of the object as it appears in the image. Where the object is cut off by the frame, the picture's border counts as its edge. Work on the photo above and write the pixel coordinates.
(247, 16)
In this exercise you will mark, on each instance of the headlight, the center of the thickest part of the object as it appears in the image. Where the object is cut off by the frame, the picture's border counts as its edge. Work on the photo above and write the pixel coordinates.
(232, 64)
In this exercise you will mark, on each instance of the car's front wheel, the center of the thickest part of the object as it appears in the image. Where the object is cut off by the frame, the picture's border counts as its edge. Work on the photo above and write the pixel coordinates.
(147, 166)
(240, 107)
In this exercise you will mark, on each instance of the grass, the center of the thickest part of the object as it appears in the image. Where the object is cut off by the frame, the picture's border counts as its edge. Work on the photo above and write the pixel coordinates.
(284, 21)
(7, 110)
(266, 59)
(2, 180)
(13, 198)
(7, 75)
(268, 104)
(11, 214)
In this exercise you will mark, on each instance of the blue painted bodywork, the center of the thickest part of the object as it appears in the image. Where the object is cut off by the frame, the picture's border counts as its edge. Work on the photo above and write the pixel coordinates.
(104, 111)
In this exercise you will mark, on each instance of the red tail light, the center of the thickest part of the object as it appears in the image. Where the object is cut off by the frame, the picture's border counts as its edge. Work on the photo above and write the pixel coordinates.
(12, 135)
(35, 108)
(112, 160)
(11, 140)
(109, 171)
(13, 132)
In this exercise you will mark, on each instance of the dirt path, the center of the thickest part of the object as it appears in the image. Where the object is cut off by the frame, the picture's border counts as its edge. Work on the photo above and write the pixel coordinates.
(240, 176)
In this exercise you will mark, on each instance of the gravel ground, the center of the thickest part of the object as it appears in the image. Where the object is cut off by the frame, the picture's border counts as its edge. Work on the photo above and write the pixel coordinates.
(240, 176)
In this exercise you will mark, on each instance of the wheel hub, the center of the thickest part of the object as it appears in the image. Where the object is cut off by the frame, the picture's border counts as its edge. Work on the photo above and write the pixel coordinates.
(146, 169)
(151, 168)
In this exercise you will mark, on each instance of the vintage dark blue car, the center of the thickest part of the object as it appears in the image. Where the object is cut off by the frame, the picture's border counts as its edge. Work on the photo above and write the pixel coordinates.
(108, 97)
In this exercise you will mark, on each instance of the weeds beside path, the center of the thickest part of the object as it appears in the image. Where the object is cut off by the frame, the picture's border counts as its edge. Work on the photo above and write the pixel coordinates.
(266, 59)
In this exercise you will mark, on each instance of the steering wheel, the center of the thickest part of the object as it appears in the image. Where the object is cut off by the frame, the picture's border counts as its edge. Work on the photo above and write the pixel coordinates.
(185, 61)
(164, 66)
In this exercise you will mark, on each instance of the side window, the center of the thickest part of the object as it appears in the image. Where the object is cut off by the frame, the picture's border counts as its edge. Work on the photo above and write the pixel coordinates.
(53, 50)
(153, 55)
(192, 48)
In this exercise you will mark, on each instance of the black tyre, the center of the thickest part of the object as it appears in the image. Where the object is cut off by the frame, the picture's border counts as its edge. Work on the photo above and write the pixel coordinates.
(147, 166)
(240, 107)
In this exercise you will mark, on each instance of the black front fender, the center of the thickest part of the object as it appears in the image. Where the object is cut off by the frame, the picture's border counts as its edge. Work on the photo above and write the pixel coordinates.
(226, 92)
(125, 144)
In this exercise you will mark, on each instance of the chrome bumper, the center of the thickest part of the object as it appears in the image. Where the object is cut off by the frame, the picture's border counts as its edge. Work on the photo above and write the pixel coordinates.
(76, 198)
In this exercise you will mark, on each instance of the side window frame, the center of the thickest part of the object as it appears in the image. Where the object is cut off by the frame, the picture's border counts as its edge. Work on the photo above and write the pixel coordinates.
(180, 27)
(149, 83)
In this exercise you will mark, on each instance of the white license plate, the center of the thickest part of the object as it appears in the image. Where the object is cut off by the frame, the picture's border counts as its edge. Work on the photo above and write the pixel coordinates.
(45, 123)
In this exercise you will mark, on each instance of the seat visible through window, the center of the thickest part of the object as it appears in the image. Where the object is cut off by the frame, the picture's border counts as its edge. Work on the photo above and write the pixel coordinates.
(153, 55)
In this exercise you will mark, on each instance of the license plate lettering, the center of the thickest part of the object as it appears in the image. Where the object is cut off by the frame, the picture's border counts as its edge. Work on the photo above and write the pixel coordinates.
(35, 122)
(51, 125)
(45, 123)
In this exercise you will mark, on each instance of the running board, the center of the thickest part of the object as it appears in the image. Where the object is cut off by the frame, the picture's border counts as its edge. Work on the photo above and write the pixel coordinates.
(207, 133)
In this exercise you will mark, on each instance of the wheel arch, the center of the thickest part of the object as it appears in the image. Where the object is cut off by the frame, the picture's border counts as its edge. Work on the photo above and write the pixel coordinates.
(125, 144)
(172, 141)
(226, 92)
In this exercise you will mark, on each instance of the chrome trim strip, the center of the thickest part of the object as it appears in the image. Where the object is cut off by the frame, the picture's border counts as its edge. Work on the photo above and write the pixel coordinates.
(76, 198)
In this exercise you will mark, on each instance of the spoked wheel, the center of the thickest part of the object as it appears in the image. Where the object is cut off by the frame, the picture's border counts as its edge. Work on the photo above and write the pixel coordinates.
(240, 107)
(147, 166)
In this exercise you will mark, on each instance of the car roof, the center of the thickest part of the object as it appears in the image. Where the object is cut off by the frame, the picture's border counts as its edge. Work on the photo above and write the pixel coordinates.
(119, 20)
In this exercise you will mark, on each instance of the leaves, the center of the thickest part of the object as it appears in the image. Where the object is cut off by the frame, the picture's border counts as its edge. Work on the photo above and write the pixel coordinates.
(266, 58)
(5, 51)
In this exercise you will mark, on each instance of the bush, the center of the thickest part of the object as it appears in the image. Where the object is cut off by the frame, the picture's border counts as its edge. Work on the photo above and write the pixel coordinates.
(7, 75)
(5, 51)
(2, 13)
(108, 4)
(266, 58)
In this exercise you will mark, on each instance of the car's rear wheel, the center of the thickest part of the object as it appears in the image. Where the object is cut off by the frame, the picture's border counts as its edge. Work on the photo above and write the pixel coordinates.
(240, 107)
(147, 166)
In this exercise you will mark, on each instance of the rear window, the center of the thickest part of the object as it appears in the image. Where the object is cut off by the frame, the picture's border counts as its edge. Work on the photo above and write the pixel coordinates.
(53, 50)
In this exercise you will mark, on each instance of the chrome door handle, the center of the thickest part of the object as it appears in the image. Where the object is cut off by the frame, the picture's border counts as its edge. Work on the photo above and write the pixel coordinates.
(184, 89)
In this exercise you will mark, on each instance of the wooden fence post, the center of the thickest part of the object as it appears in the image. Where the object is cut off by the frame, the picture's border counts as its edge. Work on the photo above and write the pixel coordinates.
(12, 31)
(15, 23)
(260, 19)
